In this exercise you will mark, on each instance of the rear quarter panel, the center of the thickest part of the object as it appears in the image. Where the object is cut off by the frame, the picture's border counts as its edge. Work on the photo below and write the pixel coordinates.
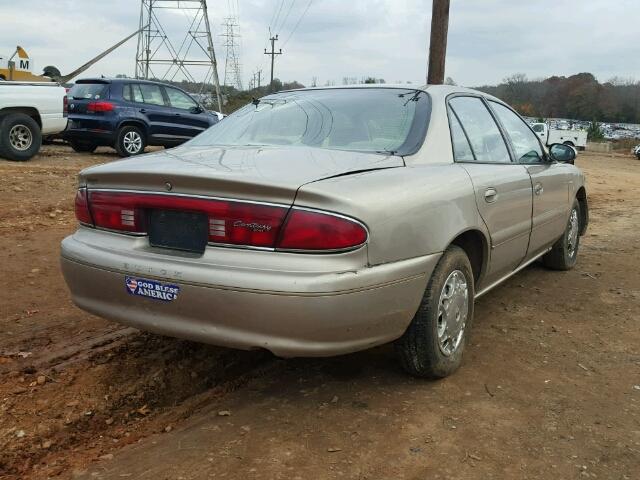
(409, 211)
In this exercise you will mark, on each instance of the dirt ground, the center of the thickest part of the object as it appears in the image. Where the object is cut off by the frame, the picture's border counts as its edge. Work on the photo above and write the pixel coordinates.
(550, 387)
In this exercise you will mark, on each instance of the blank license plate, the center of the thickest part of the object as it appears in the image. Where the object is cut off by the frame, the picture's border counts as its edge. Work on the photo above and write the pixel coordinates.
(186, 231)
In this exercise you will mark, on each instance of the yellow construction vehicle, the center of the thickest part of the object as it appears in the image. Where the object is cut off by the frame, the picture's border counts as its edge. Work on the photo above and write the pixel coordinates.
(18, 66)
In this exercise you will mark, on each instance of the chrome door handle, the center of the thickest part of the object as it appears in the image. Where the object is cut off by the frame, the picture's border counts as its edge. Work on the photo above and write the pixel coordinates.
(538, 189)
(490, 195)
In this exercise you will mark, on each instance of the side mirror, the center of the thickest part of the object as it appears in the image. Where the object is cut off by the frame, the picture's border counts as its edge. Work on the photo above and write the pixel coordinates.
(197, 109)
(562, 153)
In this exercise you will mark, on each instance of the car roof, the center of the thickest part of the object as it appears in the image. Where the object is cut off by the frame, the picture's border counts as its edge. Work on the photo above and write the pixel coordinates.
(436, 91)
(120, 80)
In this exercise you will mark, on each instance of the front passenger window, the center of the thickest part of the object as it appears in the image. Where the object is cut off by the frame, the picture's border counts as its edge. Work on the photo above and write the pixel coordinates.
(525, 142)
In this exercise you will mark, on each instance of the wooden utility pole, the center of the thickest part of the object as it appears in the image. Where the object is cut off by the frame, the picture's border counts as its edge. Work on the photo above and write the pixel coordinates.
(273, 54)
(438, 43)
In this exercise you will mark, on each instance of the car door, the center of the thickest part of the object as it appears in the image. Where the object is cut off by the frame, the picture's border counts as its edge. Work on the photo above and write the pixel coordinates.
(502, 187)
(154, 109)
(189, 118)
(550, 180)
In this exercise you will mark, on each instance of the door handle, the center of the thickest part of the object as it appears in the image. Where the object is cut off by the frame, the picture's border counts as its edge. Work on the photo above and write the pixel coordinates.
(538, 189)
(490, 195)
(177, 114)
(143, 110)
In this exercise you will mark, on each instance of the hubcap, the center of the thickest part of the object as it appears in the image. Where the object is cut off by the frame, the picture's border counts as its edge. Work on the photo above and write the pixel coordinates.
(20, 137)
(132, 142)
(572, 233)
(453, 309)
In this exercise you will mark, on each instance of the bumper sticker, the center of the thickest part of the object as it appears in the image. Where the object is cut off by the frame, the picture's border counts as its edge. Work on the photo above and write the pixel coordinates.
(152, 289)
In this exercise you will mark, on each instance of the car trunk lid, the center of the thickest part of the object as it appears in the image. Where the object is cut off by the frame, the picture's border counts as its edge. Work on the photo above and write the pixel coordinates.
(268, 174)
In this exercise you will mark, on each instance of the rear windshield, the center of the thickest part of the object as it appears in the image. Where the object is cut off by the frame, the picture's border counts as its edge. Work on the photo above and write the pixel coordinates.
(90, 91)
(363, 119)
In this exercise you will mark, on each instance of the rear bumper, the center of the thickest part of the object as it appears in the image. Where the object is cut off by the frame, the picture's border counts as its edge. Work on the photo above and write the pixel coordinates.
(288, 311)
(95, 130)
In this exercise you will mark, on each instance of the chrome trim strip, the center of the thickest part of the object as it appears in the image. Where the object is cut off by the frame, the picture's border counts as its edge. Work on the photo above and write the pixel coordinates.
(506, 277)
(243, 247)
(188, 195)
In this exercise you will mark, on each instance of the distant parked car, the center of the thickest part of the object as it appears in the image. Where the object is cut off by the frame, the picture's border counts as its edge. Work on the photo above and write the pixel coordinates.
(319, 222)
(636, 151)
(129, 114)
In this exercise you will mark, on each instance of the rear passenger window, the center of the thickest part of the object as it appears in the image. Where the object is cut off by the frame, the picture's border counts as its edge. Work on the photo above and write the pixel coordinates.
(483, 133)
(131, 92)
(150, 93)
(461, 148)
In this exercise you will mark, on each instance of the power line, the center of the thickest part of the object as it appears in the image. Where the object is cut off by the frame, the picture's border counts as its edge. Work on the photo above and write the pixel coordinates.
(297, 24)
(284, 22)
(277, 16)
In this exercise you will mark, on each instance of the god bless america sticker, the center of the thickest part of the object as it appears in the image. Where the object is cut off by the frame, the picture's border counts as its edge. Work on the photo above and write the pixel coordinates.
(151, 289)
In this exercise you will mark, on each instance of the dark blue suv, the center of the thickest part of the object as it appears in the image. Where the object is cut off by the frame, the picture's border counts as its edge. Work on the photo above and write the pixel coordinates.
(129, 114)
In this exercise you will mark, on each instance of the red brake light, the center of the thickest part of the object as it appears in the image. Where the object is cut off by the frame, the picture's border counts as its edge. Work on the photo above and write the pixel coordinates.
(310, 230)
(234, 223)
(100, 106)
(82, 207)
(230, 222)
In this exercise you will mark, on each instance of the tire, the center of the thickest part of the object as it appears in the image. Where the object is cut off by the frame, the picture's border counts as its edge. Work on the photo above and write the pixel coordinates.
(570, 144)
(422, 351)
(126, 140)
(83, 147)
(20, 137)
(564, 253)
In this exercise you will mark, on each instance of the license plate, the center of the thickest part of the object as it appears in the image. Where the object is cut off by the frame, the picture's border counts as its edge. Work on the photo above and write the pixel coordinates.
(186, 231)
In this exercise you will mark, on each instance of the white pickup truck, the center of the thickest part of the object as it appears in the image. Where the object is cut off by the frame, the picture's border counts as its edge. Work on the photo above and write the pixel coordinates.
(27, 112)
(549, 136)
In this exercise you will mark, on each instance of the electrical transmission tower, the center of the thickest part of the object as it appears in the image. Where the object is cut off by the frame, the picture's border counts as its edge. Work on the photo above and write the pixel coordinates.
(164, 57)
(232, 70)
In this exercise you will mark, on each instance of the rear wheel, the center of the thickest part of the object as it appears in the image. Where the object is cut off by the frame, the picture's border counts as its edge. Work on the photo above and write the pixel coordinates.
(20, 137)
(564, 253)
(434, 343)
(83, 147)
(130, 141)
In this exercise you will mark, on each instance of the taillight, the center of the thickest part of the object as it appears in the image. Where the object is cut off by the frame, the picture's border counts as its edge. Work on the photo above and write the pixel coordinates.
(65, 105)
(316, 231)
(234, 223)
(229, 222)
(82, 207)
(100, 106)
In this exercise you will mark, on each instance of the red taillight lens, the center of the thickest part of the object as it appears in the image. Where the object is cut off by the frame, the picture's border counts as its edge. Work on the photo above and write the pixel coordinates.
(82, 207)
(229, 222)
(309, 230)
(234, 223)
(94, 107)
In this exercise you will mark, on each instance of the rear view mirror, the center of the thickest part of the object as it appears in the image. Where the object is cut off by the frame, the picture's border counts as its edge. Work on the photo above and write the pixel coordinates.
(562, 153)
(197, 109)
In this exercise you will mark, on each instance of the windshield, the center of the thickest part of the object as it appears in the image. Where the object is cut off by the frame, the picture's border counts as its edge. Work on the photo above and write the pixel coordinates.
(363, 119)
(89, 91)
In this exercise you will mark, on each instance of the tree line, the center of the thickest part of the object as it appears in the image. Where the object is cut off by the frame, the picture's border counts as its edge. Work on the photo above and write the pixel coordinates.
(578, 97)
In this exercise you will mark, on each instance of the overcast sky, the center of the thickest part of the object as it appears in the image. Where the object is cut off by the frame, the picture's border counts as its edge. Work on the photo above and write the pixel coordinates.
(488, 39)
